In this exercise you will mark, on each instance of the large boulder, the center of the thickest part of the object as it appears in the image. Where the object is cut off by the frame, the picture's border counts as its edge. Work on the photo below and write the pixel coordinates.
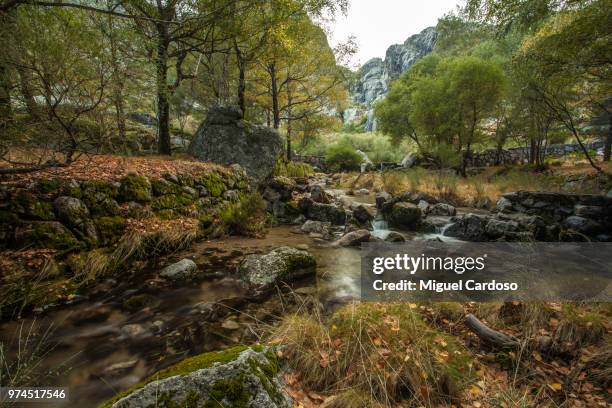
(71, 211)
(236, 377)
(260, 273)
(363, 213)
(225, 138)
(404, 215)
(470, 227)
(323, 212)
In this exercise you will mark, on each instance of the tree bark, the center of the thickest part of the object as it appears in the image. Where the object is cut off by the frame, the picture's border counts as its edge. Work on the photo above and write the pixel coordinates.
(488, 335)
(163, 104)
(6, 110)
(241, 78)
(25, 79)
(608, 142)
(274, 92)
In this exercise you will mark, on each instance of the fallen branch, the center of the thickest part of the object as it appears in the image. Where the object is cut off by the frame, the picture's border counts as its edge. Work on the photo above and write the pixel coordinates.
(488, 335)
(32, 169)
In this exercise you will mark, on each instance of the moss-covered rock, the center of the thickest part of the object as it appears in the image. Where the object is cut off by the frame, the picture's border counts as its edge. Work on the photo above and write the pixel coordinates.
(71, 211)
(137, 302)
(135, 188)
(240, 377)
(30, 207)
(261, 273)
(162, 187)
(110, 229)
(172, 202)
(45, 234)
(213, 183)
(46, 186)
(99, 197)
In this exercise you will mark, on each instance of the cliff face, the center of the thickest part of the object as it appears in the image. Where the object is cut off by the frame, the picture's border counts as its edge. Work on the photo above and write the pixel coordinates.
(376, 74)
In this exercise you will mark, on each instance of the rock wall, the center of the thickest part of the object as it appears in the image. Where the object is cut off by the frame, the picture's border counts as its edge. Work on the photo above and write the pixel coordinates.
(376, 74)
(518, 155)
(70, 215)
(586, 214)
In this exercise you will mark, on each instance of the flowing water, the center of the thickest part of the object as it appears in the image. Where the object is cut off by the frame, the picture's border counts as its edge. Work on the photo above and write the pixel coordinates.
(99, 346)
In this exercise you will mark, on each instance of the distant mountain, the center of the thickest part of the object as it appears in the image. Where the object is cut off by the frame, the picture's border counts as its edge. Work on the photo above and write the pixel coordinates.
(375, 75)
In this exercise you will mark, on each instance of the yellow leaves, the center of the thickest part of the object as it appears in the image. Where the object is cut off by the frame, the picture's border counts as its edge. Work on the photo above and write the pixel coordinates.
(475, 390)
(537, 356)
(555, 387)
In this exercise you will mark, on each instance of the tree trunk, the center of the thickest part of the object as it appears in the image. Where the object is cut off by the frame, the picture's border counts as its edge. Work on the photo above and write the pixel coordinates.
(163, 104)
(241, 78)
(274, 91)
(608, 143)
(25, 79)
(7, 22)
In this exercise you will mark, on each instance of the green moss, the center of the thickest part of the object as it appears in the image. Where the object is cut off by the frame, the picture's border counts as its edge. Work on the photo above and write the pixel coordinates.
(162, 187)
(135, 188)
(26, 203)
(46, 186)
(172, 202)
(8, 218)
(100, 186)
(186, 180)
(201, 361)
(213, 183)
(292, 208)
(99, 197)
(52, 235)
(110, 229)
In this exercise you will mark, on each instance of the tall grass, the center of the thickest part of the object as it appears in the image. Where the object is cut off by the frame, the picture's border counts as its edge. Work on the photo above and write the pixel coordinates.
(293, 169)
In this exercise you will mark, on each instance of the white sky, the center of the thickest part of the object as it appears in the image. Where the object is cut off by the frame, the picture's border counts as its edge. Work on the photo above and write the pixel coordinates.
(377, 24)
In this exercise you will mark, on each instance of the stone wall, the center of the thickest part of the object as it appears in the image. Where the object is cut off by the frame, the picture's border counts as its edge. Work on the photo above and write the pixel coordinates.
(518, 155)
(68, 215)
(587, 214)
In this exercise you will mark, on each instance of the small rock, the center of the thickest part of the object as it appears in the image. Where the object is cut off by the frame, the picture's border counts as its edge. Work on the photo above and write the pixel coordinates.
(504, 205)
(442, 209)
(354, 238)
(423, 206)
(179, 271)
(394, 237)
(119, 368)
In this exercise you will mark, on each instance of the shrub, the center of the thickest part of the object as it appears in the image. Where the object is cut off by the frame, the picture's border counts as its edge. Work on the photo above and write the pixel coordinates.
(247, 216)
(342, 157)
(292, 169)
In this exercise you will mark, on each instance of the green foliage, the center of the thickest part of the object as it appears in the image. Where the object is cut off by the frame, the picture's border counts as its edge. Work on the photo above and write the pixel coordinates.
(247, 216)
(292, 169)
(342, 157)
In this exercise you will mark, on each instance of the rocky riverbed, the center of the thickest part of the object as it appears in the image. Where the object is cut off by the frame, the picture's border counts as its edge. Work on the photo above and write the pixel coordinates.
(224, 292)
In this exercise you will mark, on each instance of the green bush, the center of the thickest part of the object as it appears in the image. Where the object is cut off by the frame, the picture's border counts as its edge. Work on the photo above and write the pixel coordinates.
(342, 157)
(292, 169)
(247, 216)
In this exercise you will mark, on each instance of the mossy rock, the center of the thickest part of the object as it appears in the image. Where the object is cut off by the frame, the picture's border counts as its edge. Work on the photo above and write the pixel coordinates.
(71, 211)
(237, 377)
(46, 234)
(110, 229)
(135, 188)
(47, 186)
(261, 273)
(99, 197)
(292, 208)
(186, 180)
(213, 183)
(172, 202)
(31, 207)
(163, 187)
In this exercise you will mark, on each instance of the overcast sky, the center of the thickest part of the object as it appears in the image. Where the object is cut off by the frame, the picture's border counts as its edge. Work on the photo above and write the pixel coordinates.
(379, 23)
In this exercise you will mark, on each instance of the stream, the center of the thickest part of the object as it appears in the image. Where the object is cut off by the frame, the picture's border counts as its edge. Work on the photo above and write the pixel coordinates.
(100, 345)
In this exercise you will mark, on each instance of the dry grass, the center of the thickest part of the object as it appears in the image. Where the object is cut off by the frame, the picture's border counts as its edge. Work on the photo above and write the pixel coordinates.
(482, 190)
(386, 351)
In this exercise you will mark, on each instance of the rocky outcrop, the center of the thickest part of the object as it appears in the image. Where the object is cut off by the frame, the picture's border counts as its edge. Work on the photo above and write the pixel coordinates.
(405, 215)
(237, 377)
(323, 212)
(261, 273)
(225, 138)
(376, 74)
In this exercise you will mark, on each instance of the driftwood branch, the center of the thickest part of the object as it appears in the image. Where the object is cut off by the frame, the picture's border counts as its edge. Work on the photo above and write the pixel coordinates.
(32, 169)
(488, 335)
